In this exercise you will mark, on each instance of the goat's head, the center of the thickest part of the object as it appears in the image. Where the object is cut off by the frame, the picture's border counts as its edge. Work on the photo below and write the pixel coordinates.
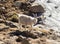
(34, 21)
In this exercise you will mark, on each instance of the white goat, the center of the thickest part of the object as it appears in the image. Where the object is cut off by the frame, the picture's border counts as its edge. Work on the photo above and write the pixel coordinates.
(26, 20)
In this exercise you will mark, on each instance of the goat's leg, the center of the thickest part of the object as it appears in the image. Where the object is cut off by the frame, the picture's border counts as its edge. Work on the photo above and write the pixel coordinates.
(43, 19)
(31, 28)
(19, 25)
(25, 28)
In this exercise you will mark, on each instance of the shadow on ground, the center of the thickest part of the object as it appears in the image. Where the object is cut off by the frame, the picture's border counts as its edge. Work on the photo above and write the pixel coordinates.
(26, 34)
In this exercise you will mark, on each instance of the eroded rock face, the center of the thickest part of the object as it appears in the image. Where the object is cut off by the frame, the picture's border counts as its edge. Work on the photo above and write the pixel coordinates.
(37, 36)
(9, 33)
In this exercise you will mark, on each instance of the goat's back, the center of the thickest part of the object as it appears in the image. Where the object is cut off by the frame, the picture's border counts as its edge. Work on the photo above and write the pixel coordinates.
(27, 20)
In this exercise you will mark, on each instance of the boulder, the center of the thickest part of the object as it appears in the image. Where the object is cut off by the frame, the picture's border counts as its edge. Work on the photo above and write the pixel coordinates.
(36, 9)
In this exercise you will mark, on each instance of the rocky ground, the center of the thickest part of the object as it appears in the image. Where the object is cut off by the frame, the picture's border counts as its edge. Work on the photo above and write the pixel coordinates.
(9, 34)
(41, 34)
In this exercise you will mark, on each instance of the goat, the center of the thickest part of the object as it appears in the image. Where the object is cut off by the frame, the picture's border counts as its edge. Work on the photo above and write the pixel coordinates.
(26, 20)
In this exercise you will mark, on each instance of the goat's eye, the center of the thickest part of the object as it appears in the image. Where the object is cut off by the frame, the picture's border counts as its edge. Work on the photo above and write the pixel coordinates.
(23, 26)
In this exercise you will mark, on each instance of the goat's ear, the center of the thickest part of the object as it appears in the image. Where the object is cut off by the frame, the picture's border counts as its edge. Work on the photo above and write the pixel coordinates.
(35, 20)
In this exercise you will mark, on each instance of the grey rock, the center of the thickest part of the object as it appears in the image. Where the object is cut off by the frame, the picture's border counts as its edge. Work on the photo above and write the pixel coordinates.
(2, 10)
(17, 3)
(31, 1)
